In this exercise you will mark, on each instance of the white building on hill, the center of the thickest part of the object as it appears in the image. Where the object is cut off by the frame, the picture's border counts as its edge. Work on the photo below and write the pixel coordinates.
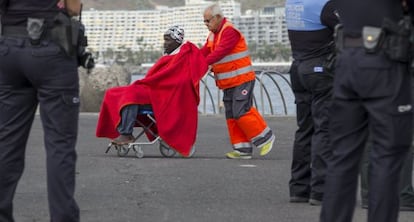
(118, 30)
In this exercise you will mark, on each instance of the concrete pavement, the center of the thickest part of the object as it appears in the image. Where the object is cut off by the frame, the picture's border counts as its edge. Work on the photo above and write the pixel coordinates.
(205, 188)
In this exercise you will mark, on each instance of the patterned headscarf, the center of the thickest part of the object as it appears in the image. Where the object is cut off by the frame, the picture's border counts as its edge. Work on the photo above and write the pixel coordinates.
(176, 33)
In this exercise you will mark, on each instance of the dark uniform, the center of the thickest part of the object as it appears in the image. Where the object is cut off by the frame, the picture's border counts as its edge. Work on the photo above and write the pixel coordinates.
(406, 184)
(310, 25)
(37, 71)
(372, 93)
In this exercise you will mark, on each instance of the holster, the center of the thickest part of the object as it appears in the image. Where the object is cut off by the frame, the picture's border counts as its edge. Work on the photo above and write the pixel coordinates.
(62, 34)
(399, 44)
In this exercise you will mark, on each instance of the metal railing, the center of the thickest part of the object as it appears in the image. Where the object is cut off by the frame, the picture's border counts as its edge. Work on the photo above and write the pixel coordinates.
(272, 94)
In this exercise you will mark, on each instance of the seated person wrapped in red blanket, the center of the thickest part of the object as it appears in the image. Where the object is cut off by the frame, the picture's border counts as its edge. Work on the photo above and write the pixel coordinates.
(171, 86)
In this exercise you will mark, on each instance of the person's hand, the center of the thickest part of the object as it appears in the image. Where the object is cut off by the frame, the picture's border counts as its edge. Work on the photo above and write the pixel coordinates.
(73, 7)
(61, 4)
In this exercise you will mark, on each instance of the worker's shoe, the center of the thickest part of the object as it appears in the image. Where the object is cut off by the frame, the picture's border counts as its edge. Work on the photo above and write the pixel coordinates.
(267, 146)
(123, 139)
(235, 154)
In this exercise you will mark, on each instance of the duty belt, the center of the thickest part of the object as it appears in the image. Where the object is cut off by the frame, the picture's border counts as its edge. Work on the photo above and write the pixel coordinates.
(15, 31)
(350, 42)
(20, 31)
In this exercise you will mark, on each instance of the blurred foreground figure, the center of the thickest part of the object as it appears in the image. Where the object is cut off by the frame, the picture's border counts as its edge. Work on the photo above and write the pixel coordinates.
(39, 65)
(372, 93)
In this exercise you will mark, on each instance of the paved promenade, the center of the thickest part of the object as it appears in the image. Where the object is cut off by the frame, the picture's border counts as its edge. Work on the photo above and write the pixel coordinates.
(205, 188)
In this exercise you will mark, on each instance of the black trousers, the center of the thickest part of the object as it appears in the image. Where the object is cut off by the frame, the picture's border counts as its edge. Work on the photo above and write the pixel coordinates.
(44, 75)
(371, 94)
(312, 87)
(406, 184)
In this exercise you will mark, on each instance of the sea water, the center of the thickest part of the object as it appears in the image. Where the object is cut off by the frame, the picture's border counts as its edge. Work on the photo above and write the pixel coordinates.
(272, 94)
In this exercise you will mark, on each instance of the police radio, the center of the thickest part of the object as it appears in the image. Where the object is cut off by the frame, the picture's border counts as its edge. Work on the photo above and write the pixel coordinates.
(85, 59)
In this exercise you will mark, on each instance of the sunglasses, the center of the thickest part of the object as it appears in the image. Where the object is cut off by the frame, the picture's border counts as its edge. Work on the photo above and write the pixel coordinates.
(209, 20)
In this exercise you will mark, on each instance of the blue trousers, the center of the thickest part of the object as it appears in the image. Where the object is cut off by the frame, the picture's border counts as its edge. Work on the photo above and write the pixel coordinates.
(128, 117)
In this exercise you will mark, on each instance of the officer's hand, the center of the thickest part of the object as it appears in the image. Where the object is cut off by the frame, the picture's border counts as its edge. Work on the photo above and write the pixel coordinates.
(86, 60)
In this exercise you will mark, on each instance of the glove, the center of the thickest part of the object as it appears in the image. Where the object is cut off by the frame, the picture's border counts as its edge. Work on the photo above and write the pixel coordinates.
(87, 61)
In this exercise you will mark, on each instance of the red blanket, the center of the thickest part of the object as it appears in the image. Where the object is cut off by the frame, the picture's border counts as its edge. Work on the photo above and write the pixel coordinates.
(172, 88)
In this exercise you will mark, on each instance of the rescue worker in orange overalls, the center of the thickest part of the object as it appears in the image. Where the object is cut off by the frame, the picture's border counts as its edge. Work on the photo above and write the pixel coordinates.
(227, 53)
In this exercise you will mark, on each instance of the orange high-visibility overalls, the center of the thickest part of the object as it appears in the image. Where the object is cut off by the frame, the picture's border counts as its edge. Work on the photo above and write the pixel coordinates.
(234, 74)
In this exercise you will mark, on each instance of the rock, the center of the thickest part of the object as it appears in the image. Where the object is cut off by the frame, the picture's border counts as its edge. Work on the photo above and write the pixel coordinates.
(94, 84)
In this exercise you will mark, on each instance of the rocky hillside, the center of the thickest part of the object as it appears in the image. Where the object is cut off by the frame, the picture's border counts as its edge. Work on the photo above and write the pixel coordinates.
(149, 4)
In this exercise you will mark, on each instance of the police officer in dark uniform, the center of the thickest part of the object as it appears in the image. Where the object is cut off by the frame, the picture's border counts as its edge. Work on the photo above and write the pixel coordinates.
(310, 26)
(406, 184)
(35, 68)
(372, 93)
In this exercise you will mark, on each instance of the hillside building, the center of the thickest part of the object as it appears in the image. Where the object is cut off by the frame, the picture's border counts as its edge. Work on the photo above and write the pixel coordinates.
(118, 30)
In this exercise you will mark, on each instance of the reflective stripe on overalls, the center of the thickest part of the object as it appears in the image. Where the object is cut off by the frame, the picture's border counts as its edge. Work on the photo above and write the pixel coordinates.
(235, 68)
